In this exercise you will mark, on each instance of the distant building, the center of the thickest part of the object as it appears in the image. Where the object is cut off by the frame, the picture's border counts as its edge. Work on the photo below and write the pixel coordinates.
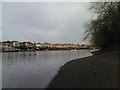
(16, 44)
(27, 44)
(7, 43)
(10, 45)
(38, 45)
(46, 45)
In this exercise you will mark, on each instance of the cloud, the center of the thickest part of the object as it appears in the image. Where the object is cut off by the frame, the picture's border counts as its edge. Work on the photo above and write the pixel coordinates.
(45, 22)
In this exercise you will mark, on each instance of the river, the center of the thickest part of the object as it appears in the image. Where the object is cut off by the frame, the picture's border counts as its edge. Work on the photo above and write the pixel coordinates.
(26, 70)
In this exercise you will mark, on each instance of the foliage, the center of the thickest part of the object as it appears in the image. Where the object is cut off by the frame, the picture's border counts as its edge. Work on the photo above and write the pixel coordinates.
(105, 29)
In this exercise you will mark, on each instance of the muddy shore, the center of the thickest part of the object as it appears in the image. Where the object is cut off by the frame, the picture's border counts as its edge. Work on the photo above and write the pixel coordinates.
(97, 71)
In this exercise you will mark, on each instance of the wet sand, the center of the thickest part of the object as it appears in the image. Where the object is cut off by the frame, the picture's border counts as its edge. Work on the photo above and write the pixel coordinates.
(97, 71)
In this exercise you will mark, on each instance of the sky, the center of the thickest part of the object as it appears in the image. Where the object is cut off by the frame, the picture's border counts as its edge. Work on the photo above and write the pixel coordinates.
(53, 22)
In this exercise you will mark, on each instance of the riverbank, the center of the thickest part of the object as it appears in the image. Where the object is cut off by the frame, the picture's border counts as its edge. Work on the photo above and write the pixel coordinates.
(97, 71)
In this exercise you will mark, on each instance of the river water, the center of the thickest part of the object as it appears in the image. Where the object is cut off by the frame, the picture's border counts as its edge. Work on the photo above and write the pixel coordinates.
(26, 70)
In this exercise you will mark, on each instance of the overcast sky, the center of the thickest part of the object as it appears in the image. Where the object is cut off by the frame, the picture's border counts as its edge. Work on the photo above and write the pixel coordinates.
(45, 22)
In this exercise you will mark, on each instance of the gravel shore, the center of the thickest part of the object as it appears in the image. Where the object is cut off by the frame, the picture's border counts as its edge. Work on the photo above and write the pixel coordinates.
(97, 71)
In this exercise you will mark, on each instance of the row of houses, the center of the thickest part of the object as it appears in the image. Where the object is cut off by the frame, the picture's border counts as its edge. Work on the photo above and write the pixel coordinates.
(16, 44)
(41, 46)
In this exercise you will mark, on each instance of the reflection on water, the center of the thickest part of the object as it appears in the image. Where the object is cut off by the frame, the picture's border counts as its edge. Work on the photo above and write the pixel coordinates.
(26, 70)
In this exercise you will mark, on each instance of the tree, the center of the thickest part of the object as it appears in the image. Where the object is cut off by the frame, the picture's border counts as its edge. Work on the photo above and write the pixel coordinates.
(105, 29)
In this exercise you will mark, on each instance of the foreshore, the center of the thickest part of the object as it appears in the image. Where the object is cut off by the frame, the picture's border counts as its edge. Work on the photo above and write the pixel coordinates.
(97, 71)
